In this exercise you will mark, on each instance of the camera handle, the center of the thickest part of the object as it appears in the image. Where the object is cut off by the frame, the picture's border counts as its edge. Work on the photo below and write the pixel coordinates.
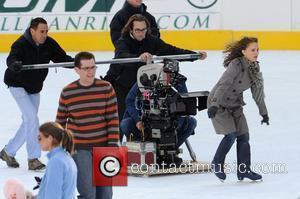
(191, 151)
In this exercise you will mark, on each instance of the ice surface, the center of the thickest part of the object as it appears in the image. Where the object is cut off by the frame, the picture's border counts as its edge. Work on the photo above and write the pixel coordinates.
(278, 143)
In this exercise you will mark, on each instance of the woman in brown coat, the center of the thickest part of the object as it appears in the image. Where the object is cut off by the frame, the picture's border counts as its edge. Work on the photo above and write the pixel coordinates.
(225, 105)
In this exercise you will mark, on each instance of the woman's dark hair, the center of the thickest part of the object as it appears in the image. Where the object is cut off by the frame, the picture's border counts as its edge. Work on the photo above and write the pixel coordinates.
(234, 49)
(81, 56)
(60, 135)
(129, 25)
(36, 21)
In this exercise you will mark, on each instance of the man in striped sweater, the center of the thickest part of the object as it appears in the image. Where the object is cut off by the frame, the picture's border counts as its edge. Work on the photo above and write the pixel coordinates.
(88, 107)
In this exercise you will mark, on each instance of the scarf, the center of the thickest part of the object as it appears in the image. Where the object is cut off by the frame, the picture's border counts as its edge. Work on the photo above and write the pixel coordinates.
(257, 86)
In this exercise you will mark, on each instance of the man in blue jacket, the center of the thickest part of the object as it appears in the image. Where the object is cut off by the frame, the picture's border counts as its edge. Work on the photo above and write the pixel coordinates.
(132, 123)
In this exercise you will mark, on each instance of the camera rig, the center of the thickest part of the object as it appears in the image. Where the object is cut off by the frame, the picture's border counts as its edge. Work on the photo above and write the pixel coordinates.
(160, 103)
(161, 106)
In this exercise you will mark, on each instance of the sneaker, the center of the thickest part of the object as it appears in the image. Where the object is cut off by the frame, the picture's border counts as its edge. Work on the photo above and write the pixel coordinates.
(35, 165)
(10, 160)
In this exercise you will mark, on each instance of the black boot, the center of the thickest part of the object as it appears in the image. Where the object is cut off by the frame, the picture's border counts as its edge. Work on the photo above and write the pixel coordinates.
(218, 170)
(219, 158)
(244, 159)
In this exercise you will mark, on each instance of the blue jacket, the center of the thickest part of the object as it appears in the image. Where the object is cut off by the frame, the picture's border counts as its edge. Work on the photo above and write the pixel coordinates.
(131, 110)
(60, 179)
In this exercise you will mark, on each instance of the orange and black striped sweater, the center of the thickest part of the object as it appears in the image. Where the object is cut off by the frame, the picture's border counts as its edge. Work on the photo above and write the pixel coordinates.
(91, 113)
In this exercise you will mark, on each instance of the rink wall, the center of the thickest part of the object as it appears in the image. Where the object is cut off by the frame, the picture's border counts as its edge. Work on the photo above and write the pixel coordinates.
(84, 25)
(189, 39)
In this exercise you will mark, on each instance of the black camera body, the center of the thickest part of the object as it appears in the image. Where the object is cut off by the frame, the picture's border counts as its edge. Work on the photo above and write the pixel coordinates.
(161, 106)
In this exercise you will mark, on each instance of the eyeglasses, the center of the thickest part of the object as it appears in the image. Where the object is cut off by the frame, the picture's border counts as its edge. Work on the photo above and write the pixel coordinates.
(137, 30)
(88, 68)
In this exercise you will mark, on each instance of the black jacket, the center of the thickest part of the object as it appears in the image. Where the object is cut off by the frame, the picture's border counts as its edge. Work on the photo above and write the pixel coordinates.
(25, 50)
(121, 17)
(127, 47)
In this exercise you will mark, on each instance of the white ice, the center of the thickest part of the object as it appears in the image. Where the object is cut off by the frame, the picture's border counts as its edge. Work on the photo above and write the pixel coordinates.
(276, 144)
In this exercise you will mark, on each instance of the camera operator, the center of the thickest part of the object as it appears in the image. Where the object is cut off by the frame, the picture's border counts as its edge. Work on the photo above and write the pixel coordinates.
(131, 122)
(136, 41)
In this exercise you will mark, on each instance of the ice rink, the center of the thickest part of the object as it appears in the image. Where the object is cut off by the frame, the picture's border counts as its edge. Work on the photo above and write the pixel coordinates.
(275, 148)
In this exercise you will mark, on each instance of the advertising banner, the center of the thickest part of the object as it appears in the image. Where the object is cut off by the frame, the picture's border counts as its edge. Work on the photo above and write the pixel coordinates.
(95, 15)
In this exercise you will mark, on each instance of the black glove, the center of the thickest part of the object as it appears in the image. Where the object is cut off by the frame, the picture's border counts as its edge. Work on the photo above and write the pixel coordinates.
(211, 111)
(16, 66)
(38, 181)
(265, 119)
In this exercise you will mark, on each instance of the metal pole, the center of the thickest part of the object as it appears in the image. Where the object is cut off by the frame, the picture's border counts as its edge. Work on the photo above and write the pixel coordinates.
(191, 151)
(113, 61)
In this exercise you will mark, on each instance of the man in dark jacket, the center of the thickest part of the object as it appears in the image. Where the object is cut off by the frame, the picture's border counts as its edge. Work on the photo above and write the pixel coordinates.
(136, 41)
(130, 8)
(33, 47)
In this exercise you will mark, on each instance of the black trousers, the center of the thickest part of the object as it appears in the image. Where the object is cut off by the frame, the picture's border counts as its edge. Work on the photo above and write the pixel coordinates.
(121, 92)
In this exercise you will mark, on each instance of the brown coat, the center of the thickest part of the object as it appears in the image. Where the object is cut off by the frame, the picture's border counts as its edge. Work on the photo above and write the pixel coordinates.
(227, 95)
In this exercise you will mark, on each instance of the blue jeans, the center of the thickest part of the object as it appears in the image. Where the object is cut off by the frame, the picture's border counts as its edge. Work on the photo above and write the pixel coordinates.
(186, 126)
(28, 131)
(128, 126)
(84, 163)
(224, 147)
